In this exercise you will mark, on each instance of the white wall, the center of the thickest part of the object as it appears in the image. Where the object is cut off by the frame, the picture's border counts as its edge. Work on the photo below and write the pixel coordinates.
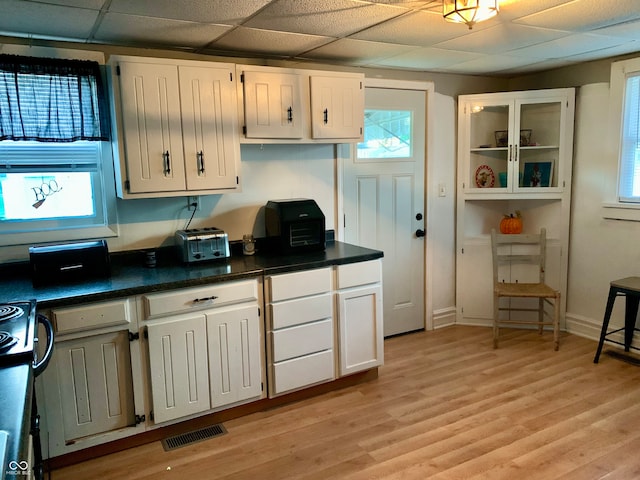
(600, 250)
(441, 268)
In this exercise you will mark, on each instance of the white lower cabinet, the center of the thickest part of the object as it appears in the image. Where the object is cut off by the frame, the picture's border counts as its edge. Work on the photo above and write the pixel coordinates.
(209, 358)
(300, 349)
(87, 394)
(125, 366)
(235, 354)
(179, 367)
(359, 319)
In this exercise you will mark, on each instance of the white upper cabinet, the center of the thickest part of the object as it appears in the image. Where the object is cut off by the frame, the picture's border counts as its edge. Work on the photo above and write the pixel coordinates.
(272, 104)
(284, 105)
(516, 142)
(337, 106)
(176, 131)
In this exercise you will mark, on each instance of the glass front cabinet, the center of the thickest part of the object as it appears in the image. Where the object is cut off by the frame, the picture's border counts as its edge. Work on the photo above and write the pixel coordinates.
(515, 155)
(516, 142)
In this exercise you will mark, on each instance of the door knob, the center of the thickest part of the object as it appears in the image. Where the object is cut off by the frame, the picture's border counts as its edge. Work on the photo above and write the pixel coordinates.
(420, 233)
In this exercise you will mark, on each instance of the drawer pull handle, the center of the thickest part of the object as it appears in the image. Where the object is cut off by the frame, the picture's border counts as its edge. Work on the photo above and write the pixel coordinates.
(205, 299)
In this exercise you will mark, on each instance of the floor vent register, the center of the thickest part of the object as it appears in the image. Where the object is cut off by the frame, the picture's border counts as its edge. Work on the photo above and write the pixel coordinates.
(189, 438)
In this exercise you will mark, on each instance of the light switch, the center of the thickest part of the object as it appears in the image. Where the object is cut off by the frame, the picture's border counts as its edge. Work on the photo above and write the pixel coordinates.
(442, 190)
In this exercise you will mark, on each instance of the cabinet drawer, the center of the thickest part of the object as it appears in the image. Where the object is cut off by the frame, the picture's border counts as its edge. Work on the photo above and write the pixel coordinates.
(299, 284)
(302, 340)
(302, 310)
(87, 317)
(302, 371)
(354, 274)
(183, 300)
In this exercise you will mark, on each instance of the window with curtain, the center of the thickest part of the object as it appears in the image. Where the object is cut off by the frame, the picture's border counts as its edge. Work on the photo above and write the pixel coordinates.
(53, 155)
(629, 177)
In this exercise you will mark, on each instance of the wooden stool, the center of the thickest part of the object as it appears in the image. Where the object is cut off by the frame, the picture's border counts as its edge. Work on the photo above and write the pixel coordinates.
(629, 288)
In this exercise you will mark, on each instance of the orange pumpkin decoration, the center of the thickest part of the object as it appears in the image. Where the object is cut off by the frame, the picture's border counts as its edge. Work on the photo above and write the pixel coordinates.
(511, 223)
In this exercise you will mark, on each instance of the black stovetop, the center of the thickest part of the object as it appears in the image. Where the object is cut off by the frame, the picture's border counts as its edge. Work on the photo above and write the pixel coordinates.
(17, 332)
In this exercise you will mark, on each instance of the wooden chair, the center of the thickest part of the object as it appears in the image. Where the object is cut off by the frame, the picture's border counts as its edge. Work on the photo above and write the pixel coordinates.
(522, 255)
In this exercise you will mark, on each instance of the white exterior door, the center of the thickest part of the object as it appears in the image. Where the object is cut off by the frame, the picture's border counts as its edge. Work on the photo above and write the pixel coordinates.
(383, 200)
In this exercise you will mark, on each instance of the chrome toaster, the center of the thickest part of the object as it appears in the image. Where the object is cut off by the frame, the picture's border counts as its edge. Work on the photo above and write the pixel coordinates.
(199, 244)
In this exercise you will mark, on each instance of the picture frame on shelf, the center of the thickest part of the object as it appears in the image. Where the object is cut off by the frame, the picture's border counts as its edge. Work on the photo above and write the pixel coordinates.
(537, 174)
(525, 137)
(502, 138)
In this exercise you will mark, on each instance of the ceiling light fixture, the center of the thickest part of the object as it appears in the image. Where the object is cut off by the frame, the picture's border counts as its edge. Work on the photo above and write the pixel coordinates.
(469, 11)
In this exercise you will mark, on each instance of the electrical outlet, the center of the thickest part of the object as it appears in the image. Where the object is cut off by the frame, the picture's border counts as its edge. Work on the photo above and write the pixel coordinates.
(193, 203)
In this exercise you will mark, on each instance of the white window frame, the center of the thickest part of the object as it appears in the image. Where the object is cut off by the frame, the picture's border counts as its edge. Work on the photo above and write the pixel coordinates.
(617, 210)
(60, 230)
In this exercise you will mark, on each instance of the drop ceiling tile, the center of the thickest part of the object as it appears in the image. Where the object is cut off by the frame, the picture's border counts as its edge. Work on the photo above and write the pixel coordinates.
(129, 29)
(333, 18)
(421, 28)
(489, 64)
(42, 20)
(584, 15)
(567, 46)
(359, 52)
(501, 38)
(243, 39)
(427, 58)
(629, 30)
(229, 12)
(92, 4)
(630, 46)
(513, 9)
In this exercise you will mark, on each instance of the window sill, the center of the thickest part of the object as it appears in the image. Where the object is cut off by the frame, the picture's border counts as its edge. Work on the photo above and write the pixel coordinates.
(621, 211)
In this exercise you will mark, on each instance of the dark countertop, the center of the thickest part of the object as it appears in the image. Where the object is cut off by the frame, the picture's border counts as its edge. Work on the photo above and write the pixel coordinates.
(130, 277)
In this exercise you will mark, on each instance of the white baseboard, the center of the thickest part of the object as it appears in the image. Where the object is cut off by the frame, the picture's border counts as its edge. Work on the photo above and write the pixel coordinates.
(444, 317)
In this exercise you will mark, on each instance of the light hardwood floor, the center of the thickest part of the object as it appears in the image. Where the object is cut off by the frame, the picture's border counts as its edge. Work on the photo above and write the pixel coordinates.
(445, 406)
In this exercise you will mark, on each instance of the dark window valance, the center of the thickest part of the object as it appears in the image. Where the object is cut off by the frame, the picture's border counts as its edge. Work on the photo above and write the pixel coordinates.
(51, 100)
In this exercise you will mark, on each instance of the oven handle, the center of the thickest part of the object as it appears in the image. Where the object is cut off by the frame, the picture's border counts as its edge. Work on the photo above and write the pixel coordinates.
(39, 367)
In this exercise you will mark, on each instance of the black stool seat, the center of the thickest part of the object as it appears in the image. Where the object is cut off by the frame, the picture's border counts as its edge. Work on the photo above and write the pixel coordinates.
(629, 288)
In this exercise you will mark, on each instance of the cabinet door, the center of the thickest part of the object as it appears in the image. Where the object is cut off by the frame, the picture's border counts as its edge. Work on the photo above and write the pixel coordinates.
(209, 125)
(272, 105)
(476, 282)
(96, 391)
(179, 367)
(337, 107)
(150, 99)
(486, 143)
(360, 329)
(541, 129)
(234, 355)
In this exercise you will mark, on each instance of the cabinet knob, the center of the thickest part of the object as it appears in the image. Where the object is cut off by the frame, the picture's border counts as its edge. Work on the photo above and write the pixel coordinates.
(420, 233)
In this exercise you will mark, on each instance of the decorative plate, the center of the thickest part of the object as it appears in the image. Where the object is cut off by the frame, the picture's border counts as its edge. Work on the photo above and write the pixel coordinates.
(485, 177)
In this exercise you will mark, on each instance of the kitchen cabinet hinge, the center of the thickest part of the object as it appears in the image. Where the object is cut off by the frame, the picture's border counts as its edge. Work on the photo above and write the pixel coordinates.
(244, 129)
(134, 336)
(140, 419)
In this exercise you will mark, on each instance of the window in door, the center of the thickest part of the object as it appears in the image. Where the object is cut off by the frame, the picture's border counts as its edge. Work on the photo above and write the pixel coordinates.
(387, 134)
